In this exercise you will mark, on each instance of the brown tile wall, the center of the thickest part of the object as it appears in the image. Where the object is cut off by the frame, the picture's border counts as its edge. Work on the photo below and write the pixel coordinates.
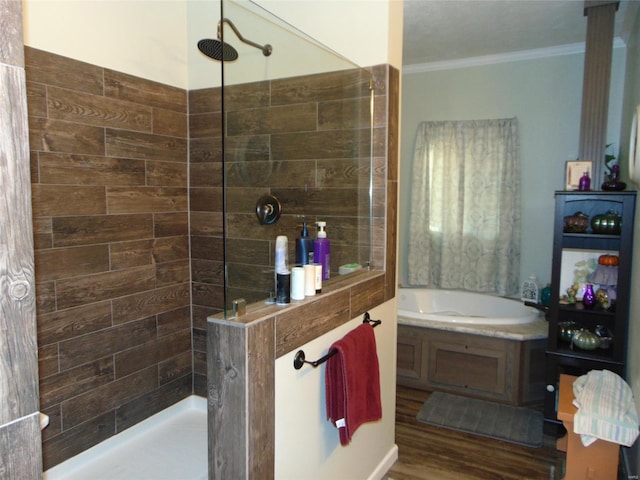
(205, 192)
(110, 206)
(114, 237)
(306, 140)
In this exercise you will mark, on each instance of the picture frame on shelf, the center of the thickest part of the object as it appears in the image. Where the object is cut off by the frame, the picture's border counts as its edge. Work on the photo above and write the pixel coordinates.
(574, 170)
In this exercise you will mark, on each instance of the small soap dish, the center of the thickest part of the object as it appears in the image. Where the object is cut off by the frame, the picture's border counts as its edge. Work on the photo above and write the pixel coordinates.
(349, 268)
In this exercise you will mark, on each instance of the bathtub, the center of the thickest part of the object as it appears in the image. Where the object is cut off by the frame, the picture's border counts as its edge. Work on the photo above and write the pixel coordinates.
(454, 306)
(471, 344)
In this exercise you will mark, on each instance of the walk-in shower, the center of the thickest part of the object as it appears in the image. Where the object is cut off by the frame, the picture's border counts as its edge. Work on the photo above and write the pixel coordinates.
(219, 50)
(162, 232)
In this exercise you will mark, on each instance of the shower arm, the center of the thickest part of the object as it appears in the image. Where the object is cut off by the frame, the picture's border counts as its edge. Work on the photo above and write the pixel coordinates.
(266, 49)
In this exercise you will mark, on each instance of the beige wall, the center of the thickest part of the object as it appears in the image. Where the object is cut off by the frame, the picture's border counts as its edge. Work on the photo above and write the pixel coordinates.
(123, 35)
(368, 32)
(300, 396)
(142, 38)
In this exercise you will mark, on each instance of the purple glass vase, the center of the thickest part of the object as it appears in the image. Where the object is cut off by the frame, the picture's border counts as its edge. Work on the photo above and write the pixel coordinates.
(584, 185)
(614, 182)
(589, 297)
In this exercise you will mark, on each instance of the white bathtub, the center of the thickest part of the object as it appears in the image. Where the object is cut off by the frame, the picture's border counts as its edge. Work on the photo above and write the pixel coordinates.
(454, 306)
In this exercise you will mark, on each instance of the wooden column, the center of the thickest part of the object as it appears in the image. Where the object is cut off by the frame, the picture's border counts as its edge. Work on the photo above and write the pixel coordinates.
(241, 384)
(595, 89)
(20, 444)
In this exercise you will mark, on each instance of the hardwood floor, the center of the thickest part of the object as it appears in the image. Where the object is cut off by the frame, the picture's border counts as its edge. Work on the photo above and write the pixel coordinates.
(433, 453)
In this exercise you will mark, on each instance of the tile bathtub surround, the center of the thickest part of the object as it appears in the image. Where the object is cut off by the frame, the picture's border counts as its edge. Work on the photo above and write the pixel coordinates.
(110, 206)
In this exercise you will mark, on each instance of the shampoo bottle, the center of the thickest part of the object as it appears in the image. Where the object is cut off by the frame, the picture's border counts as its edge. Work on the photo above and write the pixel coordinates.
(322, 250)
(304, 247)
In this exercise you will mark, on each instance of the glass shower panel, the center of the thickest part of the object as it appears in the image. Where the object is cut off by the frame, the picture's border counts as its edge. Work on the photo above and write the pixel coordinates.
(297, 126)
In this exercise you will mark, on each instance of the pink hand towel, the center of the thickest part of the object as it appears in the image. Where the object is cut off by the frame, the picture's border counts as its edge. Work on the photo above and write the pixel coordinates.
(352, 380)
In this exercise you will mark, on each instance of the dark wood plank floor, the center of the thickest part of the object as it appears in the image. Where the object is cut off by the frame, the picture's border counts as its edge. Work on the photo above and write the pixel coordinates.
(433, 453)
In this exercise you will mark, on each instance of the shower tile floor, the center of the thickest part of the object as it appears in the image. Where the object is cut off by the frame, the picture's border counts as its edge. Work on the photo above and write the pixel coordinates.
(170, 445)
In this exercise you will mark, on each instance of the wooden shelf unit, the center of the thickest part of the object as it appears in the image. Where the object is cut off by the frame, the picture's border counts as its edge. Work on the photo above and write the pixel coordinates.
(561, 356)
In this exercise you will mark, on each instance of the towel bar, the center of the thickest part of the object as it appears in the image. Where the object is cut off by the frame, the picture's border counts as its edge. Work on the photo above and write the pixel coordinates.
(299, 360)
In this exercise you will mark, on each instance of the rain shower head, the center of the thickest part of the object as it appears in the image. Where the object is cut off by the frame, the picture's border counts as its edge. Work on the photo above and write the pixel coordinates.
(218, 50)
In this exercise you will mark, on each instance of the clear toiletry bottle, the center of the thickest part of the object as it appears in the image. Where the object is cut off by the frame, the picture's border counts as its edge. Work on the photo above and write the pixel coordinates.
(322, 250)
(282, 272)
(304, 247)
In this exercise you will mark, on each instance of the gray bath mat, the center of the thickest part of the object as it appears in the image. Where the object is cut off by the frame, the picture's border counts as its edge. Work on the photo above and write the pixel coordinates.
(503, 422)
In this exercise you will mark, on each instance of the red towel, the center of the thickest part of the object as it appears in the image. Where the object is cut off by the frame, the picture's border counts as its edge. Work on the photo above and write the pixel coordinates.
(352, 380)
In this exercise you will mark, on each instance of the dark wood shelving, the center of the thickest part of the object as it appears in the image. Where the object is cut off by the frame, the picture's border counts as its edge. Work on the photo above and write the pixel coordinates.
(599, 354)
(561, 357)
(592, 241)
(579, 307)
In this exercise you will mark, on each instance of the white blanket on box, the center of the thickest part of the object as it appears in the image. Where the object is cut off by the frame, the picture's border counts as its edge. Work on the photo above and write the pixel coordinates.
(606, 409)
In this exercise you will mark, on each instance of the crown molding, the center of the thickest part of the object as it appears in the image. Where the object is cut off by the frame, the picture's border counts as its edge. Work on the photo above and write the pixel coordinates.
(569, 49)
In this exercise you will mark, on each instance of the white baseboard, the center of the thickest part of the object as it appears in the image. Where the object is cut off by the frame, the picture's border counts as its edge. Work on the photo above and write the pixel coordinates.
(385, 464)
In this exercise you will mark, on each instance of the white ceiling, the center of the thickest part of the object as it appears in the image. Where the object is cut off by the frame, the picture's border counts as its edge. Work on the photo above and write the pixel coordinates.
(445, 30)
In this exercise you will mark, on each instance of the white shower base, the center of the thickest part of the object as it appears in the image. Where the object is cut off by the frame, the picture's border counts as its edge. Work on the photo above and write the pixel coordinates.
(170, 445)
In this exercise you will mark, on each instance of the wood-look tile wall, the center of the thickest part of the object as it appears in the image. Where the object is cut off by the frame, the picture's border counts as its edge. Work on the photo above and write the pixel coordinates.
(205, 227)
(119, 336)
(307, 140)
(110, 206)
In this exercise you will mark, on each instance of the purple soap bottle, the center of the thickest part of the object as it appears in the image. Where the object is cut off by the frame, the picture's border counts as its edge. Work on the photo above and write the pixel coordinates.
(322, 250)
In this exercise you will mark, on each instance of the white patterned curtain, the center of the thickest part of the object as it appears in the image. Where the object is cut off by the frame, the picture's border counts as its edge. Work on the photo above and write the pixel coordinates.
(465, 206)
